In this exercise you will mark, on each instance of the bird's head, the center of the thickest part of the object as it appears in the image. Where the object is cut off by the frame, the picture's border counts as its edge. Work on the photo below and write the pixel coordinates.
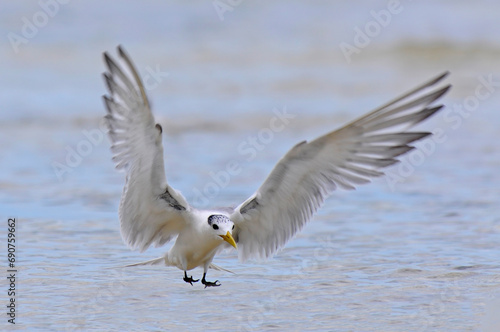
(222, 227)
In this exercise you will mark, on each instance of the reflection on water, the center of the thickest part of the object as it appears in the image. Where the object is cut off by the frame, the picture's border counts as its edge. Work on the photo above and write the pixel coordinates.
(420, 254)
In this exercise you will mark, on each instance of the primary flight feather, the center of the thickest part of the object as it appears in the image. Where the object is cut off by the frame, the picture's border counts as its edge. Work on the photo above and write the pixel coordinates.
(153, 213)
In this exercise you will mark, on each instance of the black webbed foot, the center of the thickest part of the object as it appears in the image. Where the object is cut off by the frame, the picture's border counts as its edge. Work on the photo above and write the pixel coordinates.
(216, 283)
(190, 279)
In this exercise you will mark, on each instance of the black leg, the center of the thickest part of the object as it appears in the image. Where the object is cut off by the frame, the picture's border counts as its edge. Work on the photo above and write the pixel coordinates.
(216, 283)
(189, 279)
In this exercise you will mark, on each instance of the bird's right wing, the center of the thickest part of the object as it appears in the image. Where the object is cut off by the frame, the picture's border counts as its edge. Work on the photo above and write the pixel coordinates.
(311, 171)
(151, 212)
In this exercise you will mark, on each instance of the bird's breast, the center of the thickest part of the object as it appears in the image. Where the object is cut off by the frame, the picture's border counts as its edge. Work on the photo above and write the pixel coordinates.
(191, 252)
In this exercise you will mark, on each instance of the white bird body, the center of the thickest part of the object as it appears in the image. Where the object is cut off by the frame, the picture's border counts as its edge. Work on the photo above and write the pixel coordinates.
(153, 213)
(192, 247)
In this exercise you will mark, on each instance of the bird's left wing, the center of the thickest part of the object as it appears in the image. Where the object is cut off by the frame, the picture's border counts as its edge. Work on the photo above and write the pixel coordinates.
(151, 212)
(310, 171)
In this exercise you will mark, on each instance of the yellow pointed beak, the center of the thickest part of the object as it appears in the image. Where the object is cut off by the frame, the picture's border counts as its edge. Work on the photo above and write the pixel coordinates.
(229, 239)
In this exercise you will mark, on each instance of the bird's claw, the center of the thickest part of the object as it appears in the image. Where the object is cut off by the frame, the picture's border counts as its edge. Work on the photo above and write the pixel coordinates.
(190, 279)
(216, 283)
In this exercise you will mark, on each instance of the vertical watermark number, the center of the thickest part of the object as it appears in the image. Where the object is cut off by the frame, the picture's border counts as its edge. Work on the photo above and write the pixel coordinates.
(11, 270)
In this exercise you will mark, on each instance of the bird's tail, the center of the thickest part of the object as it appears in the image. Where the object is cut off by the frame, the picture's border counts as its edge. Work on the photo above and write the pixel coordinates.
(156, 261)
(218, 268)
(160, 260)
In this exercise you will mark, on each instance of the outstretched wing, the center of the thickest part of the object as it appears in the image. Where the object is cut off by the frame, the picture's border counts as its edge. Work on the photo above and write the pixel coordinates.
(151, 212)
(311, 171)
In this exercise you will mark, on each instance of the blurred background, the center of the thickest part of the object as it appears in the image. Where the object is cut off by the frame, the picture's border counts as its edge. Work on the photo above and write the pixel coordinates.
(417, 250)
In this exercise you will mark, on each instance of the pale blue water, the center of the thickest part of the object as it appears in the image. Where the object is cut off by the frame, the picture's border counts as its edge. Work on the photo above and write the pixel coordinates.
(417, 254)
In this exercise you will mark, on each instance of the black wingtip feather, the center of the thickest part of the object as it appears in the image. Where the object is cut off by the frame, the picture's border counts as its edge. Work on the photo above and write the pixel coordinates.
(107, 80)
(400, 150)
(443, 91)
(107, 59)
(431, 111)
(438, 78)
(123, 54)
(107, 103)
(120, 49)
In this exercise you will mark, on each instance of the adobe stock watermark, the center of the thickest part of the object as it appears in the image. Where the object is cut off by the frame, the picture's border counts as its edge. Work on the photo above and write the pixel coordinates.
(454, 116)
(372, 29)
(249, 149)
(223, 6)
(153, 77)
(76, 154)
(32, 24)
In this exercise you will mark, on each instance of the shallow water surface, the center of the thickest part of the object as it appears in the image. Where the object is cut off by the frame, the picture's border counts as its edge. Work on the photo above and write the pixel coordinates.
(415, 251)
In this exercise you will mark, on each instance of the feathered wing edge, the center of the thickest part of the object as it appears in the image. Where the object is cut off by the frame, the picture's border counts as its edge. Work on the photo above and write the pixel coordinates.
(151, 212)
(311, 171)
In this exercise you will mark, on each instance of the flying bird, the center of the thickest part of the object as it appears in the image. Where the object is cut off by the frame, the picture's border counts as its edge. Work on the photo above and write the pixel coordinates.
(153, 213)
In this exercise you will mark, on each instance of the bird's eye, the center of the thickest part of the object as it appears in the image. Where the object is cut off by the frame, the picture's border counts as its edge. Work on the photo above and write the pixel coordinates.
(214, 226)
(233, 227)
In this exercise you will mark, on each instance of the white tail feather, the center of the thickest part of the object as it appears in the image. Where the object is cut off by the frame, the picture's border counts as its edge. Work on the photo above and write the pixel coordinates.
(156, 261)
(218, 268)
(160, 260)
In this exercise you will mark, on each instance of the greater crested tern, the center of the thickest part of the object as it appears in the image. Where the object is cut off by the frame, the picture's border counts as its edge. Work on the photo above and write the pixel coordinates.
(153, 213)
